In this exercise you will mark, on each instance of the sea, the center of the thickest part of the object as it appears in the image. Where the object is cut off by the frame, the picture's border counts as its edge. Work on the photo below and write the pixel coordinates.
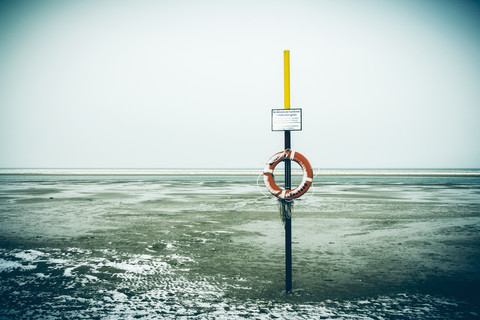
(209, 244)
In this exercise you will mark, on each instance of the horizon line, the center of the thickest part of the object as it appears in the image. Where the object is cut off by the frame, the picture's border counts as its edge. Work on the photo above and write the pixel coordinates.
(470, 172)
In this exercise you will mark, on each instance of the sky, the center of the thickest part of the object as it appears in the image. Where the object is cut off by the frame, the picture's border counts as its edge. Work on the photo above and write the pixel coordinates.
(191, 84)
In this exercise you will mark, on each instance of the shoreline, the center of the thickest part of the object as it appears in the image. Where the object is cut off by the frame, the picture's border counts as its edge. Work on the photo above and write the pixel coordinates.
(210, 246)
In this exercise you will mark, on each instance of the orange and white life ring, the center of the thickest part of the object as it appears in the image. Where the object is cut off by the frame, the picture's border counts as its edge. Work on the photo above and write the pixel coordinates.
(281, 192)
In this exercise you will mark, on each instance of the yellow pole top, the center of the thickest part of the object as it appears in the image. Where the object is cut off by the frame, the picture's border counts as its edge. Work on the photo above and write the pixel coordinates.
(286, 77)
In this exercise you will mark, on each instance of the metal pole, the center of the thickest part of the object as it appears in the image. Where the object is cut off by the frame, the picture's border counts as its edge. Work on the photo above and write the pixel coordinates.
(288, 220)
(286, 205)
(286, 78)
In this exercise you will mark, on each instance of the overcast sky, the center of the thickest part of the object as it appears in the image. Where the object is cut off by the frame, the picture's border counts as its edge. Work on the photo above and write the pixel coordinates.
(191, 84)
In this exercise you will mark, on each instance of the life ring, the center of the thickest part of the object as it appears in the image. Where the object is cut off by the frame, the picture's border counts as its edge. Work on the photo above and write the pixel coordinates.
(281, 192)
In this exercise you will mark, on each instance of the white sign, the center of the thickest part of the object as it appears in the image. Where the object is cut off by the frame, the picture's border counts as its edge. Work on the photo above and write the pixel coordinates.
(286, 119)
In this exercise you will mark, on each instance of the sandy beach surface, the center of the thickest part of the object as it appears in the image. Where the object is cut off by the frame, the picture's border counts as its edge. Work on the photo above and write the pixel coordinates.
(212, 247)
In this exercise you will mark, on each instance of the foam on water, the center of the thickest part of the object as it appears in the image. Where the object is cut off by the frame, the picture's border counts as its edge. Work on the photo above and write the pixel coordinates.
(148, 287)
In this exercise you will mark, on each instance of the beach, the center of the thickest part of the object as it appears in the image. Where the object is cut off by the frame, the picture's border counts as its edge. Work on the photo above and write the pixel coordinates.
(210, 245)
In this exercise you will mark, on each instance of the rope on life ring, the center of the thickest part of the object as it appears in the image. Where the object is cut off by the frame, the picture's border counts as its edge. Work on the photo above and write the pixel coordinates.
(281, 192)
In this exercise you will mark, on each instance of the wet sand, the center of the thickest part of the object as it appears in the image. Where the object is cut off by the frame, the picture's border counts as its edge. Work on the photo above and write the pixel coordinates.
(214, 247)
